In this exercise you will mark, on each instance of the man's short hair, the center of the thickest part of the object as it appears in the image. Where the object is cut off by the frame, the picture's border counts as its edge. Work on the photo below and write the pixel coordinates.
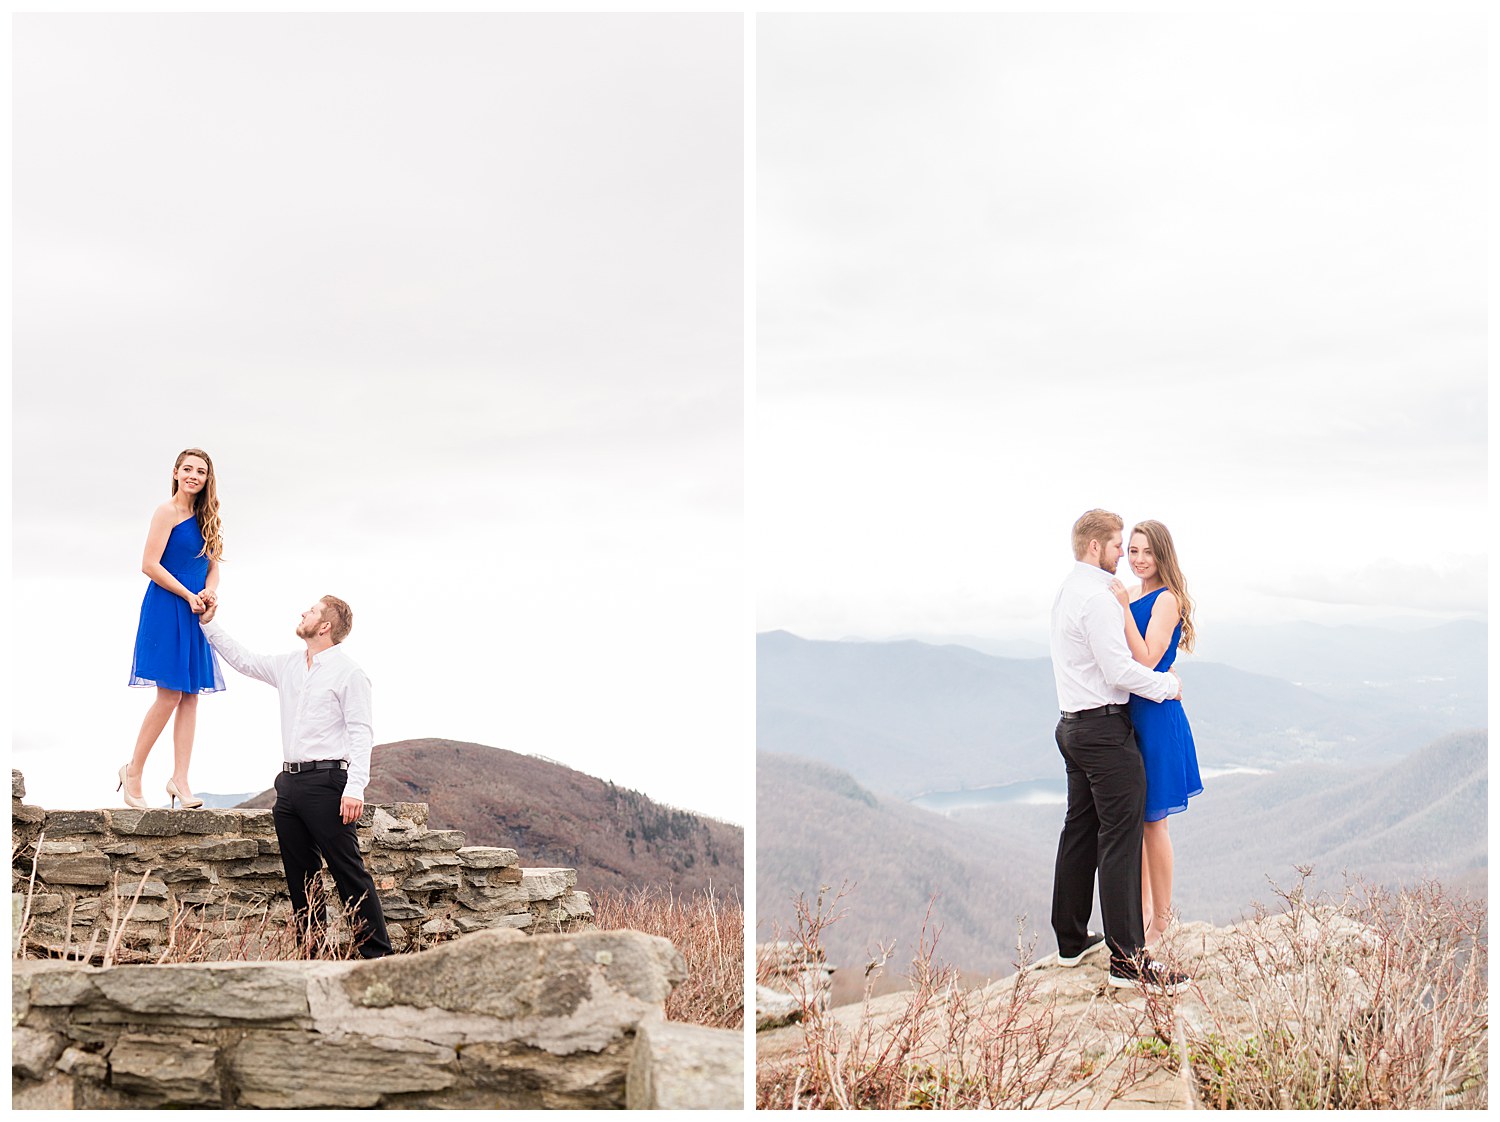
(338, 613)
(1095, 525)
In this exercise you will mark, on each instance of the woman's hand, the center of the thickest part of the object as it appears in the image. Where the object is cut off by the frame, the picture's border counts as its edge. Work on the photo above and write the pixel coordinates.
(209, 597)
(1121, 593)
(195, 603)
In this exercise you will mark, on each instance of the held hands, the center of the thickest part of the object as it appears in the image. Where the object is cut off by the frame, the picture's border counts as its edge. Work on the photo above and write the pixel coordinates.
(1120, 592)
(1174, 674)
(208, 612)
(209, 596)
(196, 603)
(350, 809)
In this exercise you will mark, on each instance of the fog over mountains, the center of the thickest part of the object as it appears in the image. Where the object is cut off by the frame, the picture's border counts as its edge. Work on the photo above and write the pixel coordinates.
(1374, 762)
(906, 717)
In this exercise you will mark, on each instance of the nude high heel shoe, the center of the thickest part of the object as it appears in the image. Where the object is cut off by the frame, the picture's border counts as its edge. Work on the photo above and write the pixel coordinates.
(189, 802)
(130, 800)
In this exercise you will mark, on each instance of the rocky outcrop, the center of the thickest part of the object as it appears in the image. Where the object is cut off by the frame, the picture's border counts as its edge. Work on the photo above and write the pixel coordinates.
(1262, 991)
(686, 1067)
(212, 880)
(790, 981)
(492, 1020)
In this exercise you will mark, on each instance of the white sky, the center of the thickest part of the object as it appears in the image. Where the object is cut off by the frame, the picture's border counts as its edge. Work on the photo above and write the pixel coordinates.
(1224, 272)
(455, 304)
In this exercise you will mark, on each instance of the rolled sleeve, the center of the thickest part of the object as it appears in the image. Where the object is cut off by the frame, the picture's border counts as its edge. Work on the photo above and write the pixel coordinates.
(359, 726)
(1104, 627)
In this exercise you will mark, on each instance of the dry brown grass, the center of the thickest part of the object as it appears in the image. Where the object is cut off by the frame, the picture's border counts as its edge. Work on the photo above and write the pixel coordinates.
(1376, 1000)
(709, 930)
(945, 1047)
(228, 933)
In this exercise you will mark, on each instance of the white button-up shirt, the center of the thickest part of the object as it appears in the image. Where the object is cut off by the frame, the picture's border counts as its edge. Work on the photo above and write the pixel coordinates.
(1090, 657)
(325, 708)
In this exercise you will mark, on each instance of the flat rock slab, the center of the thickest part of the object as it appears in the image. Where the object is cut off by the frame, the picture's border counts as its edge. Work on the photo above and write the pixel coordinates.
(503, 973)
(686, 1067)
(496, 1019)
(487, 857)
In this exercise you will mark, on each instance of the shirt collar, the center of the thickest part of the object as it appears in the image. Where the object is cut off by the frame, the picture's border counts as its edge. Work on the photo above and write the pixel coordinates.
(1093, 571)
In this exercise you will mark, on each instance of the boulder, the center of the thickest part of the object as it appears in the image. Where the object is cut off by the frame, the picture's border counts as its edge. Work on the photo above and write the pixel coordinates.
(686, 1067)
(774, 1009)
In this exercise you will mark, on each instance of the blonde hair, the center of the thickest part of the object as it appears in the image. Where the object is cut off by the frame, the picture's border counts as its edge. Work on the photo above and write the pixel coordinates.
(339, 615)
(1170, 573)
(205, 506)
(1094, 526)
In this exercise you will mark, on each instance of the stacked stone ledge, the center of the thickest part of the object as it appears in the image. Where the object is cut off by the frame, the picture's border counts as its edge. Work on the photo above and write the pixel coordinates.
(492, 1020)
(212, 878)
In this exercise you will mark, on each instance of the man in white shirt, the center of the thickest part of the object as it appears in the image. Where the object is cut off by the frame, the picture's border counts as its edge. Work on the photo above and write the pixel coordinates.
(1102, 832)
(326, 735)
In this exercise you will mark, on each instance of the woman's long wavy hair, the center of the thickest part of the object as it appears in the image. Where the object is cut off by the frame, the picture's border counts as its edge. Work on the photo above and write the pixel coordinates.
(205, 506)
(1170, 573)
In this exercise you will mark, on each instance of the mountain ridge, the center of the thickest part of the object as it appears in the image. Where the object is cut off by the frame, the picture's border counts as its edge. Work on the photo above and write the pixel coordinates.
(552, 814)
(1423, 816)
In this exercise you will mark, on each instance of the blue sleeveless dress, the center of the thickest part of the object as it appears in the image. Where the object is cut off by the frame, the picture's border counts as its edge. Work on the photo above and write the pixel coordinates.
(1163, 735)
(170, 650)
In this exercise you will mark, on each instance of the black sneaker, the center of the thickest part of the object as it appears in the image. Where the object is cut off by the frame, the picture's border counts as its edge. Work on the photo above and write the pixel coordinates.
(1130, 974)
(1091, 943)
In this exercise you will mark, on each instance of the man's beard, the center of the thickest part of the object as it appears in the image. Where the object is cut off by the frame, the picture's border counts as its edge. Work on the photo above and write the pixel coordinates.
(306, 632)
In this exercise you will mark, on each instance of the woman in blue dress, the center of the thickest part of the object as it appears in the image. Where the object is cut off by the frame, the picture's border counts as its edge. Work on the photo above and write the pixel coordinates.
(183, 550)
(1159, 621)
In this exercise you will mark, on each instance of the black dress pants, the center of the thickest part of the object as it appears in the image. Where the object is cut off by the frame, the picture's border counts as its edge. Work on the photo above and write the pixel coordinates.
(310, 831)
(1102, 831)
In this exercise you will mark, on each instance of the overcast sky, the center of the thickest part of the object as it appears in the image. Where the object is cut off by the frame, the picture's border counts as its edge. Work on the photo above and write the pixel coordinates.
(1224, 272)
(455, 305)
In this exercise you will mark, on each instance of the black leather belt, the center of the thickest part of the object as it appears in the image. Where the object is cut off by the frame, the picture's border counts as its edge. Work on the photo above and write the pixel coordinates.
(316, 765)
(1101, 711)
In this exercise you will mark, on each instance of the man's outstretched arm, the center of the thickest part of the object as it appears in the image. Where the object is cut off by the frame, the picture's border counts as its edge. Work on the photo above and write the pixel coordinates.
(248, 663)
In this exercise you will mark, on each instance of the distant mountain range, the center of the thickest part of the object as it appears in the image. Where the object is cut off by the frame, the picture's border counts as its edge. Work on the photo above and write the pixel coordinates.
(1434, 669)
(1379, 771)
(905, 717)
(1404, 653)
(554, 816)
(223, 802)
(818, 827)
(1424, 816)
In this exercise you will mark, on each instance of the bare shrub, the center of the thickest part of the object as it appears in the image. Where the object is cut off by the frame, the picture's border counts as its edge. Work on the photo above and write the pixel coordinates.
(23, 924)
(709, 930)
(194, 933)
(1377, 1000)
(942, 1046)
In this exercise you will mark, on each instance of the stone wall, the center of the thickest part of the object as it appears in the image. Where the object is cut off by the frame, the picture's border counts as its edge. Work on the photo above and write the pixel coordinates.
(492, 1020)
(211, 881)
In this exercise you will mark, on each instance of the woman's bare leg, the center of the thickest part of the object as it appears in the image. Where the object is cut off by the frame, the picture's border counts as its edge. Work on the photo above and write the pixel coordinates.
(156, 720)
(1157, 859)
(1146, 891)
(183, 730)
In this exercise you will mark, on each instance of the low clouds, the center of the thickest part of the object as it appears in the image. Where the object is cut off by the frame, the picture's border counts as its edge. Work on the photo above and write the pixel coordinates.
(1457, 585)
(1011, 267)
(455, 303)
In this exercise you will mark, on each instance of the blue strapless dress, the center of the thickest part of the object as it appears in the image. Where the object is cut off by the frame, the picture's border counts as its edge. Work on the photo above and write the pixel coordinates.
(170, 650)
(1163, 735)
